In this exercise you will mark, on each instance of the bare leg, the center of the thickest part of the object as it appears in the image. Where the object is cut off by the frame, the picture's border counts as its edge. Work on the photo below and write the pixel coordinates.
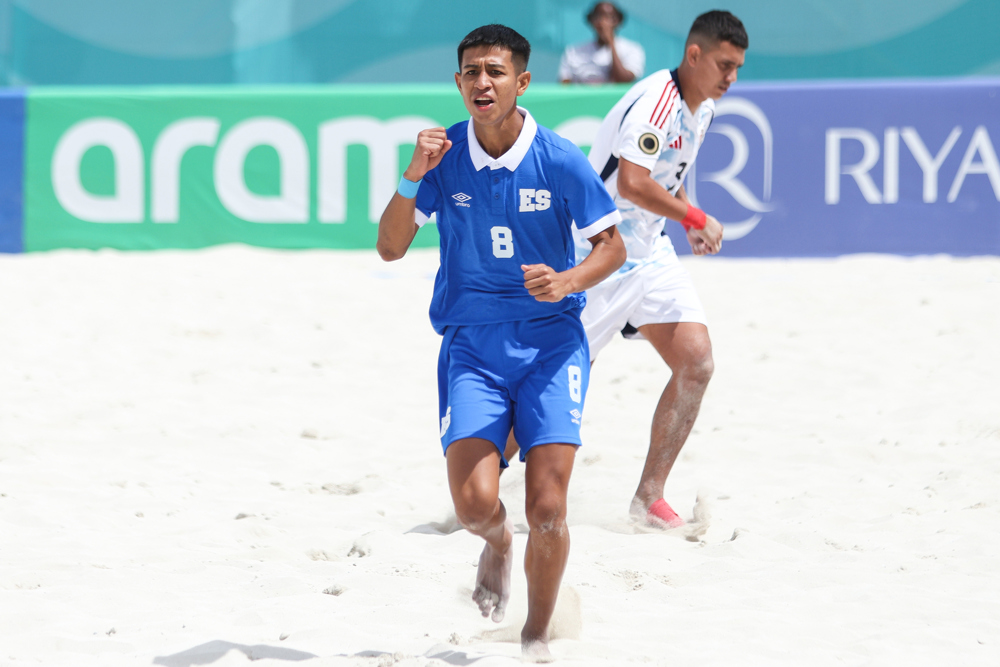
(475, 486)
(686, 348)
(510, 451)
(547, 476)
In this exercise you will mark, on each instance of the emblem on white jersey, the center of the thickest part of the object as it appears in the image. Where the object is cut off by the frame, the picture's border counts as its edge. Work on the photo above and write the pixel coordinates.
(461, 198)
(446, 421)
(534, 200)
(649, 144)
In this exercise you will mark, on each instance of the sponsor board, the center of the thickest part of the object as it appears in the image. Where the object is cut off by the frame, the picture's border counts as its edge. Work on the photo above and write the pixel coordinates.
(143, 169)
(284, 168)
(790, 170)
(830, 169)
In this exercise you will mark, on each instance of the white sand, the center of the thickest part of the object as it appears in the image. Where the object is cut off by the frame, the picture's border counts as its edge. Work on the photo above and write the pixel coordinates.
(848, 454)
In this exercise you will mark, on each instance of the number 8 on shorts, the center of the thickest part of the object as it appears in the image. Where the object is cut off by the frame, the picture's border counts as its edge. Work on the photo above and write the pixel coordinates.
(575, 384)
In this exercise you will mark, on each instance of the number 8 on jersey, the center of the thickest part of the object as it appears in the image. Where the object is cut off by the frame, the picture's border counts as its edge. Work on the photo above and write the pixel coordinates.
(503, 243)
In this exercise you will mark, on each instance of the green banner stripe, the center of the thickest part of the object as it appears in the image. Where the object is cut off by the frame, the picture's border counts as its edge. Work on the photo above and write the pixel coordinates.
(281, 167)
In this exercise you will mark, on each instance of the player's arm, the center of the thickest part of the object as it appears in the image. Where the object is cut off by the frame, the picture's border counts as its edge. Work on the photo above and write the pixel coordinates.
(606, 257)
(397, 227)
(683, 195)
(637, 185)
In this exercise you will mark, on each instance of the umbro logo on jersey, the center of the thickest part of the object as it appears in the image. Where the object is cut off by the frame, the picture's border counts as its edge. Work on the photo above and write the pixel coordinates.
(461, 198)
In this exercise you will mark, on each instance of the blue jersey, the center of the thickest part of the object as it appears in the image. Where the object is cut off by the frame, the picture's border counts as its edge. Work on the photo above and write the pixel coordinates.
(494, 215)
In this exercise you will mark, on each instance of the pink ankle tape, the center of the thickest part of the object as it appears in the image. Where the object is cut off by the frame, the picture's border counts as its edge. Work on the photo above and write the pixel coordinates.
(660, 511)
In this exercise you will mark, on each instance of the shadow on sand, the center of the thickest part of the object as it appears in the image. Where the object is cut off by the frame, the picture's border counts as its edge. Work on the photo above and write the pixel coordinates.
(446, 527)
(460, 658)
(450, 656)
(209, 652)
(451, 525)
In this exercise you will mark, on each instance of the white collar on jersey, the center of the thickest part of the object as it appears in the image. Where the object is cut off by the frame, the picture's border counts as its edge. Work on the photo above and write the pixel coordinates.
(513, 156)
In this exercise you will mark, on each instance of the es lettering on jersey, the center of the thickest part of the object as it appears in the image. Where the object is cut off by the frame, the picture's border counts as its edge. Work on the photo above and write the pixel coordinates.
(494, 215)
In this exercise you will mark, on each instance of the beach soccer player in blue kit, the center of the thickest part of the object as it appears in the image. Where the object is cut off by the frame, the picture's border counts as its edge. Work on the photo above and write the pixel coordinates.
(506, 193)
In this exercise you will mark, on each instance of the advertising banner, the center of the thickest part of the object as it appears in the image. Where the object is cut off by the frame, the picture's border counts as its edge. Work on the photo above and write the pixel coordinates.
(830, 169)
(791, 170)
(11, 169)
(293, 167)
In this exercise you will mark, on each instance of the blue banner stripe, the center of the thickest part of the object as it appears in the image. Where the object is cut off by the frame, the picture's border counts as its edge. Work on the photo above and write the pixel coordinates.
(11, 170)
(826, 169)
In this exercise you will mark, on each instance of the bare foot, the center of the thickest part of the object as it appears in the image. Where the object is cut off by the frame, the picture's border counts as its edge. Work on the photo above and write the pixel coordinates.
(536, 650)
(493, 578)
(638, 509)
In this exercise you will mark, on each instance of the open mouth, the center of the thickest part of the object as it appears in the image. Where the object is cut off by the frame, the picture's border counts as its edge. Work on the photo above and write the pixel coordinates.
(483, 103)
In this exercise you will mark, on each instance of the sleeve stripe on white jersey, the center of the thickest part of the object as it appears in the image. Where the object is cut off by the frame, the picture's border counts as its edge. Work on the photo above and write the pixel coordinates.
(658, 102)
(674, 96)
(667, 93)
(673, 100)
(598, 226)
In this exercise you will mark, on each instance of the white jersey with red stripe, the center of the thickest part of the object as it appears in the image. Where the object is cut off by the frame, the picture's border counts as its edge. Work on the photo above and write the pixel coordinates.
(652, 127)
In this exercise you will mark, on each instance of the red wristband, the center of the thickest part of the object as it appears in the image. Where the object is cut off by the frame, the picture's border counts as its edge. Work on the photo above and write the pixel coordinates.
(694, 219)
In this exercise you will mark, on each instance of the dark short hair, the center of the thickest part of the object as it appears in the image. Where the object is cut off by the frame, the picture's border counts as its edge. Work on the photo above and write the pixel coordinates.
(593, 10)
(499, 36)
(719, 26)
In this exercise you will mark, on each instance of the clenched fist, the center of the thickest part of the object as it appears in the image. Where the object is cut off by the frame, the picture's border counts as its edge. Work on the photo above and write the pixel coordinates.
(707, 241)
(432, 144)
(545, 283)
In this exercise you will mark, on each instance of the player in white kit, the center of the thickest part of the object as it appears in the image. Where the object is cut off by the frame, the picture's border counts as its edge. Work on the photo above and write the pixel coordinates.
(644, 148)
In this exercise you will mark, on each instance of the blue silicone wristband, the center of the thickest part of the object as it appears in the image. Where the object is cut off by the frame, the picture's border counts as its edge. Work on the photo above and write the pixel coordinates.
(408, 188)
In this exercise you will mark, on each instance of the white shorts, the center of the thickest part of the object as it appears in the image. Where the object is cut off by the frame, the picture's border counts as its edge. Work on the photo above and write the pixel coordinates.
(660, 292)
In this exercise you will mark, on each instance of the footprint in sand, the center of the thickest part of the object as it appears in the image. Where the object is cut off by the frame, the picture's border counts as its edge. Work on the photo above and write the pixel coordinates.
(360, 549)
(341, 489)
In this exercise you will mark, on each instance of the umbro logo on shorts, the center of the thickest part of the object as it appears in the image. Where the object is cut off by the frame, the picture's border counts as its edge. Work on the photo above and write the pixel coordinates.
(461, 198)
(446, 421)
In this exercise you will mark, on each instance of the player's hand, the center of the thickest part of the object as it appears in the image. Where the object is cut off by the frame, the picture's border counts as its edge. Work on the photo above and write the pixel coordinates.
(698, 246)
(431, 146)
(545, 283)
(708, 240)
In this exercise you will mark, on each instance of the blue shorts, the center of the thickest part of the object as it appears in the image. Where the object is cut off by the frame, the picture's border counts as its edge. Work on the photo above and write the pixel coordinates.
(531, 375)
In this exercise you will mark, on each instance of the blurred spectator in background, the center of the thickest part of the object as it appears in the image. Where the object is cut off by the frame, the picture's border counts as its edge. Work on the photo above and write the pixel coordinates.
(607, 59)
